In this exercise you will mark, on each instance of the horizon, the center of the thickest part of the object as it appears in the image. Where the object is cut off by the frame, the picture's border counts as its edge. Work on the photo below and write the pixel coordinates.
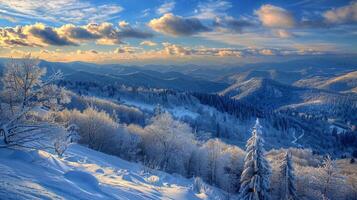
(177, 32)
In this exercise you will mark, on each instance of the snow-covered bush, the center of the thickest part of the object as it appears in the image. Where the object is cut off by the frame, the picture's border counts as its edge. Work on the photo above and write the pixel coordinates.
(101, 132)
(96, 128)
(65, 139)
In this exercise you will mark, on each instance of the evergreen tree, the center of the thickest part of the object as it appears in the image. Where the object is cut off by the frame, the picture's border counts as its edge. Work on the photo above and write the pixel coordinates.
(288, 189)
(255, 177)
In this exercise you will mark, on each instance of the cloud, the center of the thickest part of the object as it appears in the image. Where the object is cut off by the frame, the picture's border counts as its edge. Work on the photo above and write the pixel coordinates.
(125, 49)
(275, 17)
(8, 18)
(148, 43)
(232, 24)
(48, 35)
(169, 53)
(177, 26)
(181, 51)
(39, 35)
(178, 50)
(282, 33)
(267, 52)
(59, 11)
(130, 32)
(123, 24)
(166, 8)
(107, 34)
(173, 49)
(344, 14)
(212, 9)
(145, 12)
(78, 32)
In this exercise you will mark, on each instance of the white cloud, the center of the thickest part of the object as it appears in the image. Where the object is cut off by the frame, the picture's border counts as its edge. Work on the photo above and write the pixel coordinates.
(126, 50)
(166, 8)
(73, 11)
(8, 18)
(342, 14)
(148, 43)
(212, 9)
(145, 13)
(275, 17)
(282, 33)
(123, 24)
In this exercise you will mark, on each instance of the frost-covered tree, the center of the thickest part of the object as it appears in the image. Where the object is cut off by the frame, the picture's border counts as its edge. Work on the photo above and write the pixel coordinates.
(169, 143)
(96, 128)
(329, 178)
(28, 93)
(255, 176)
(287, 178)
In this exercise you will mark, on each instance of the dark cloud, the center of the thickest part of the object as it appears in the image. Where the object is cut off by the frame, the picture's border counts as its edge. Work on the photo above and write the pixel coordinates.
(39, 35)
(49, 36)
(232, 24)
(80, 33)
(177, 26)
(129, 32)
(106, 33)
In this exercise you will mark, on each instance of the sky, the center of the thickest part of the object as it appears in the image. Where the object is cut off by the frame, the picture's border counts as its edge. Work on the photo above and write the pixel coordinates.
(176, 31)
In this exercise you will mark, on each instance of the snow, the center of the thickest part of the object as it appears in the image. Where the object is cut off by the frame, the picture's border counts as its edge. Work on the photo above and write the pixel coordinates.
(83, 173)
(138, 104)
(177, 111)
(297, 138)
(180, 112)
(338, 129)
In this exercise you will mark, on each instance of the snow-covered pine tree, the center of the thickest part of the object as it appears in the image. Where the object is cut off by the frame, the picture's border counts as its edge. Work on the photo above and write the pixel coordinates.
(256, 172)
(287, 180)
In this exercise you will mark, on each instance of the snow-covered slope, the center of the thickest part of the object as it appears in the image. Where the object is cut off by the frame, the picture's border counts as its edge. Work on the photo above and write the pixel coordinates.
(86, 174)
(268, 93)
(341, 83)
(344, 83)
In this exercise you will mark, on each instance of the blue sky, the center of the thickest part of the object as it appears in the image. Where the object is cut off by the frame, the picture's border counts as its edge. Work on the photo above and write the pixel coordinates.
(173, 31)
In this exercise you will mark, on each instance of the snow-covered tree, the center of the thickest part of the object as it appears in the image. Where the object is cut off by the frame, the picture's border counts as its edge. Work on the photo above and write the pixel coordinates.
(329, 178)
(96, 128)
(287, 178)
(169, 143)
(255, 177)
(27, 94)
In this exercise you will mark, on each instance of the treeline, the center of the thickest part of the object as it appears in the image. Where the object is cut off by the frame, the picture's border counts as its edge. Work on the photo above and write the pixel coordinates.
(238, 109)
(218, 116)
